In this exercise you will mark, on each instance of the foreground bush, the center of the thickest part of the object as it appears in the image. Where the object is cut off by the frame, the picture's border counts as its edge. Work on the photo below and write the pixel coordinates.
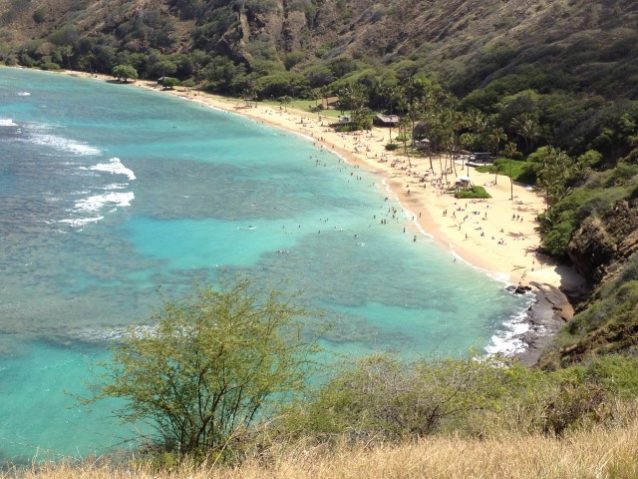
(209, 366)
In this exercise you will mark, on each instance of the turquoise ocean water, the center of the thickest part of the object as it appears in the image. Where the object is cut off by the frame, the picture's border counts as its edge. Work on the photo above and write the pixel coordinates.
(108, 193)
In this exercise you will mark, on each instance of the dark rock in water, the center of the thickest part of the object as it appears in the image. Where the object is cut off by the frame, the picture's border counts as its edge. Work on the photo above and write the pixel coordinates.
(520, 289)
(546, 317)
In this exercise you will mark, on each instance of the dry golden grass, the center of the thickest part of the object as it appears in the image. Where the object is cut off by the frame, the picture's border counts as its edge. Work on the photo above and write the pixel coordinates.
(597, 453)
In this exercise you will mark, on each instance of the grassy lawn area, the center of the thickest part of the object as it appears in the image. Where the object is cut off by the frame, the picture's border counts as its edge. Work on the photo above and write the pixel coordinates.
(306, 106)
(518, 170)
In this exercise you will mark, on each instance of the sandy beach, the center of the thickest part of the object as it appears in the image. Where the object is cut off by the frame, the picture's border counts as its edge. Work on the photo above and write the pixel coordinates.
(498, 235)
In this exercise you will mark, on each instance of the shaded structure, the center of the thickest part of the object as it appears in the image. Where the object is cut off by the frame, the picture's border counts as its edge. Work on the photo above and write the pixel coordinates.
(391, 121)
(330, 102)
(480, 158)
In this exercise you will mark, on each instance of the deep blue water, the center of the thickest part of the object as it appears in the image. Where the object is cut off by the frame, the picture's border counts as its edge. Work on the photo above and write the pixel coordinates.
(108, 192)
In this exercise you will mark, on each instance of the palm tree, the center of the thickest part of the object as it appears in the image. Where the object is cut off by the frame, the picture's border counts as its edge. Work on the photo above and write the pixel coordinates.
(250, 93)
(390, 92)
(285, 101)
(352, 97)
(528, 128)
(456, 123)
(495, 136)
(476, 121)
(449, 125)
(510, 151)
(324, 91)
(403, 137)
(315, 94)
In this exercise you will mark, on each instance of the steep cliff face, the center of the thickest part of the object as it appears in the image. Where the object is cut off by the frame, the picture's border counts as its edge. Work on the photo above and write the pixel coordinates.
(601, 246)
(279, 30)
(605, 250)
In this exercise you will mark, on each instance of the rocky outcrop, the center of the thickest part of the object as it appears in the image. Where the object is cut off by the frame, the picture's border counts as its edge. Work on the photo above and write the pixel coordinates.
(601, 245)
(605, 251)
(269, 33)
(546, 317)
(591, 250)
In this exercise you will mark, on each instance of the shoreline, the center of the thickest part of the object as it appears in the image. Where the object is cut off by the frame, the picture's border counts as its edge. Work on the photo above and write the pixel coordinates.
(498, 236)
(418, 184)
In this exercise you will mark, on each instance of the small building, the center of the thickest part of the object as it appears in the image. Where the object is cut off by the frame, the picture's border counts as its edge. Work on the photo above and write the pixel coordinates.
(386, 120)
(329, 102)
(463, 182)
(481, 158)
(463, 155)
(422, 144)
(421, 131)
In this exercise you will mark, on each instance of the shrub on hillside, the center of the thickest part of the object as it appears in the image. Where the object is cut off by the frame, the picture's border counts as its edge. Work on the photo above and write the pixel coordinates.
(385, 399)
(381, 396)
(39, 15)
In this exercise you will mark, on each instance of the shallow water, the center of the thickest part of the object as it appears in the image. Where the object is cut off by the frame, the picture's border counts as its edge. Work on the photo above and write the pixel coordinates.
(108, 192)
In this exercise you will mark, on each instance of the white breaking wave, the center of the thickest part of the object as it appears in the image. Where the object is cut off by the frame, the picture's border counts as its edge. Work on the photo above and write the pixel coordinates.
(97, 202)
(79, 222)
(115, 186)
(65, 144)
(507, 341)
(112, 199)
(7, 122)
(115, 167)
(24, 93)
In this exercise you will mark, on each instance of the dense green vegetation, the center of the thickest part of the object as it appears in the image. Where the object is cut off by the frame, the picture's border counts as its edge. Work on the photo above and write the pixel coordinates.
(227, 370)
(384, 398)
(534, 93)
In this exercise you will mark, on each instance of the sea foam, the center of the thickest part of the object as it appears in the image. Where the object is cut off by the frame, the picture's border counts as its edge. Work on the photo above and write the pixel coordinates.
(97, 202)
(65, 144)
(115, 167)
(508, 341)
(115, 186)
(79, 222)
(7, 122)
